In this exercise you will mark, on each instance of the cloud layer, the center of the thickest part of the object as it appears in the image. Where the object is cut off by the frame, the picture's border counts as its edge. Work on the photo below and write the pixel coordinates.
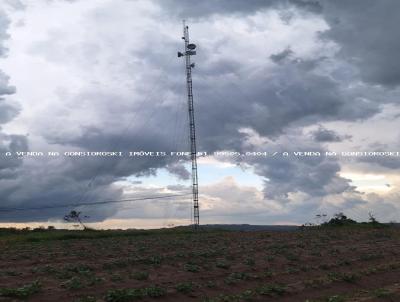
(103, 76)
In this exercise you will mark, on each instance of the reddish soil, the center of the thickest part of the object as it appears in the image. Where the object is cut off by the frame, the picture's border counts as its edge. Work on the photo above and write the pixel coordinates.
(351, 264)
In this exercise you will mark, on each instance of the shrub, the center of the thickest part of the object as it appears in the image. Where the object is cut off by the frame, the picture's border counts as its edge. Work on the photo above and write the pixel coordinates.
(184, 287)
(154, 291)
(339, 219)
(124, 295)
(140, 275)
(73, 283)
(222, 264)
(272, 290)
(193, 268)
(21, 292)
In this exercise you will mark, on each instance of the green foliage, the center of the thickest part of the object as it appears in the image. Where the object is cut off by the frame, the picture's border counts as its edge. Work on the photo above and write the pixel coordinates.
(73, 284)
(250, 261)
(185, 287)
(11, 273)
(154, 291)
(272, 290)
(154, 260)
(140, 275)
(382, 293)
(222, 264)
(315, 283)
(292, 257)
(247, 295)
(87, 299)
(124, 295)
(94, 280)
(211, 284)
(14, 235)
(82, 269)
(239, 276)
(116, 277)
(193, 268)
(336, 298)
(21, 292)
(235, 277)
(339, 276)
(339, 219)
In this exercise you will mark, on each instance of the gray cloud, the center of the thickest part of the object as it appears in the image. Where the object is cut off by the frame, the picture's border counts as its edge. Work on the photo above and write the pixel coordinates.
(357, 26)
(203, 9)
(295, 95)
(367, 34)
(4, 22)
(315, 176)
(179, 170)
(325, 135)
(233, 90)
(283, 55)
(15, 4)
(194, 9)
(8, 111)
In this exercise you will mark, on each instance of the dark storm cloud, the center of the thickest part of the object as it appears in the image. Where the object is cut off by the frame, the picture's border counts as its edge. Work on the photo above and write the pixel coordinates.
(179, 170)
(194, 8)
(203, 9)
(379, 162)
(315, 176)
(55, 186)
(292, 94)
(367, 32)
(283, 55)
(138, 127)
(4, 22)
(325, 135)
(7, 111)
(310, 5)
(5, 88)
(8, 142)
(296, 95)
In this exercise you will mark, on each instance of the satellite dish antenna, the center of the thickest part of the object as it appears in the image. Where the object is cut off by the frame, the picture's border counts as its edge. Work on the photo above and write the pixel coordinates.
(191, 46)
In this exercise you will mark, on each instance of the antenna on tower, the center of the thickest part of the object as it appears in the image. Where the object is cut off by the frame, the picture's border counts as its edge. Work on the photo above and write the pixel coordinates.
(190, 50)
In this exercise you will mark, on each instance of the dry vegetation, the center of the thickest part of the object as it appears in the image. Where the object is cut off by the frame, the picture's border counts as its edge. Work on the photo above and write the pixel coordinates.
(351, 263)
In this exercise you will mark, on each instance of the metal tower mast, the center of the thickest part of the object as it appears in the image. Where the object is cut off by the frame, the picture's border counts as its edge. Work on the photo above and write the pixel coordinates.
(190, 50)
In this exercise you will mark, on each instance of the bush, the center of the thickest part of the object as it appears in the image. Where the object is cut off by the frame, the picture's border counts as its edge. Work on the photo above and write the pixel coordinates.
(272, 290)
(21, 292)
(184, 287)
(155, 291)
(140, 275)
(124, 295)
(339, 219)
(222, 264)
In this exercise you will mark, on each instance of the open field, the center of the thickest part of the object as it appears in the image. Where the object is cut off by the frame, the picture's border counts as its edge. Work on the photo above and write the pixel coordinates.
(331, 264)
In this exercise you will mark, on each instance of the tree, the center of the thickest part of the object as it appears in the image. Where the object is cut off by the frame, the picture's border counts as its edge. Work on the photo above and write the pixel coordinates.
(372, 218)
(320, 218)
(75, 216)
(340, 219)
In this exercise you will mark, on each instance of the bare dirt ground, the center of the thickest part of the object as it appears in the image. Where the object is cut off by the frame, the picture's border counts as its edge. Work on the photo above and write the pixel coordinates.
(340, 264)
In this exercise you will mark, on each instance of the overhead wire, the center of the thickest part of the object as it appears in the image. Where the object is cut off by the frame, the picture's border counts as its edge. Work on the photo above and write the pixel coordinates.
(2, 210)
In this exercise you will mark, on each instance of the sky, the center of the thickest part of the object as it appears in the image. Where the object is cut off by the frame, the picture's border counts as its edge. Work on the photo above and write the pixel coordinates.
(270, 76)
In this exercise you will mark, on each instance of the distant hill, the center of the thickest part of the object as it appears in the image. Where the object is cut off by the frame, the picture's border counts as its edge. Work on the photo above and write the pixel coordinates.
(250, 227)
